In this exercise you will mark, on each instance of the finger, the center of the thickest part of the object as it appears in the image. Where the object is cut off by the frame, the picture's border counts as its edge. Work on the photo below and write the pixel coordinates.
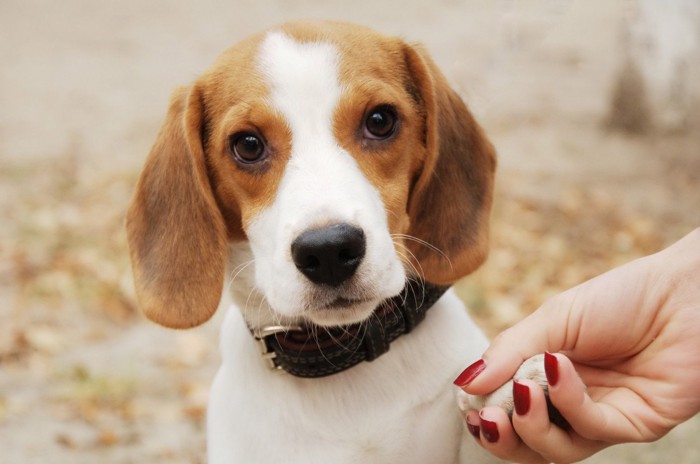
(531, 423)
(498, 437)
(595, 421)
(542, 331)
(473, 423)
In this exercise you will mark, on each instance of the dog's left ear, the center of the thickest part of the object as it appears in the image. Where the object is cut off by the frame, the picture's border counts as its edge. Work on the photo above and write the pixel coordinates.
(450, 200)
(176, 233)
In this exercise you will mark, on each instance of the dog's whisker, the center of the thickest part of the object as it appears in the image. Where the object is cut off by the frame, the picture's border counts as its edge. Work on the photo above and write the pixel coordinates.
(345, 331)
(426, 244)
(318, 344)
(404, 258)
(247, 300)
(362, 331)
(412, 269)
(259, 312)
(235, 272)
(422, 292)
(405, 294)
(379, 320)
(409, 259)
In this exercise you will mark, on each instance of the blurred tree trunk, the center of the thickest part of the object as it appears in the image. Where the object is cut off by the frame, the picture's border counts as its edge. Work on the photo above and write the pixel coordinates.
(658, 83)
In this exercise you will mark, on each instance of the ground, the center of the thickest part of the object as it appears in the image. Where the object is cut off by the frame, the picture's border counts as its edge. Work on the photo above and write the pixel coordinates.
(84, 85)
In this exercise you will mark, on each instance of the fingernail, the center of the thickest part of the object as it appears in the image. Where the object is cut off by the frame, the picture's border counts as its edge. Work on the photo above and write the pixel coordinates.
(551, 369)
(470, 373)
(473, 429)
(521, 398)
(489, 430)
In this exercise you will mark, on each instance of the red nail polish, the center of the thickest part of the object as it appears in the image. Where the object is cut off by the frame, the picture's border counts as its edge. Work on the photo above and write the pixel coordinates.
(473, 429)
(489, 430)
(470, 373)
(521, 398)
(551, 368)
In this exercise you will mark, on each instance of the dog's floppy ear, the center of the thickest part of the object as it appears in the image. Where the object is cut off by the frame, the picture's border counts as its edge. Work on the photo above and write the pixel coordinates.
(450, 201)
(176, 233)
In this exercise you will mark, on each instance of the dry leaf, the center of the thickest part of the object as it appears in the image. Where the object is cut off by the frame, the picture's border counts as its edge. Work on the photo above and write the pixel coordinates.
(107, 438)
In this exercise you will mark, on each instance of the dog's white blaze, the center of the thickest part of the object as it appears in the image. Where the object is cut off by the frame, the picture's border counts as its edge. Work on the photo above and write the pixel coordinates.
(322, 185)
(304, 83)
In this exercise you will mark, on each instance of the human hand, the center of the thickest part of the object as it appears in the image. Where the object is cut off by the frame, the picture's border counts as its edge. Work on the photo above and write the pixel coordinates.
(632, 335)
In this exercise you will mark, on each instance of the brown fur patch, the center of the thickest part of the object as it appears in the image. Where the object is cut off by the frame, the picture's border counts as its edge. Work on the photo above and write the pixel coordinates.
(176, 234)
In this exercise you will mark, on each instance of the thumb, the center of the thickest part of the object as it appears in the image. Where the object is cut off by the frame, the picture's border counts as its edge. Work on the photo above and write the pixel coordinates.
(543, 330)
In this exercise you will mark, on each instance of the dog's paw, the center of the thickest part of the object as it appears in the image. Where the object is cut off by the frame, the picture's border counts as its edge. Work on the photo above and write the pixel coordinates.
(532, 369)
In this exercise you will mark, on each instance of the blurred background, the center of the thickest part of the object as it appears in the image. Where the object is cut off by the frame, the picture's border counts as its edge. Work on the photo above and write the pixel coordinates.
(592, 106)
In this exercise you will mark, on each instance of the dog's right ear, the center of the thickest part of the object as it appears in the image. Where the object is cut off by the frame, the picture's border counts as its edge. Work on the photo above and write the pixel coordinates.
(176, 233)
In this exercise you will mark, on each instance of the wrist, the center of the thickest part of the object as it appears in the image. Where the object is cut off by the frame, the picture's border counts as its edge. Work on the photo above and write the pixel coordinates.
(675, 272)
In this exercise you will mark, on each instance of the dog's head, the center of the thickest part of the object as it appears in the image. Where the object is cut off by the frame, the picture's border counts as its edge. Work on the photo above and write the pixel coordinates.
(341, 155)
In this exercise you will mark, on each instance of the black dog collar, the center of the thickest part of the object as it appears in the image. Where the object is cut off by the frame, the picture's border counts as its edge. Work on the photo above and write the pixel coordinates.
(318, 352)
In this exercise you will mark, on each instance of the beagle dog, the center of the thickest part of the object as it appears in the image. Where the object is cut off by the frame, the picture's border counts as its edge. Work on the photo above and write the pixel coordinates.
(331, 178)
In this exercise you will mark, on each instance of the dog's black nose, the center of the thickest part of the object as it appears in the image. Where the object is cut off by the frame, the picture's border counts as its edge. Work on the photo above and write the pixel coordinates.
(329, 255)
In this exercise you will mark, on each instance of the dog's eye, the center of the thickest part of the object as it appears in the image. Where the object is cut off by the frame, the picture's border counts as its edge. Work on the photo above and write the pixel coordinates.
(247, 147)
(380, 123)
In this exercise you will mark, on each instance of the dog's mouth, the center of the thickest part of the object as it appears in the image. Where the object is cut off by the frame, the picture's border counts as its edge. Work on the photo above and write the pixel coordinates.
(343, 303)
(342, 311)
